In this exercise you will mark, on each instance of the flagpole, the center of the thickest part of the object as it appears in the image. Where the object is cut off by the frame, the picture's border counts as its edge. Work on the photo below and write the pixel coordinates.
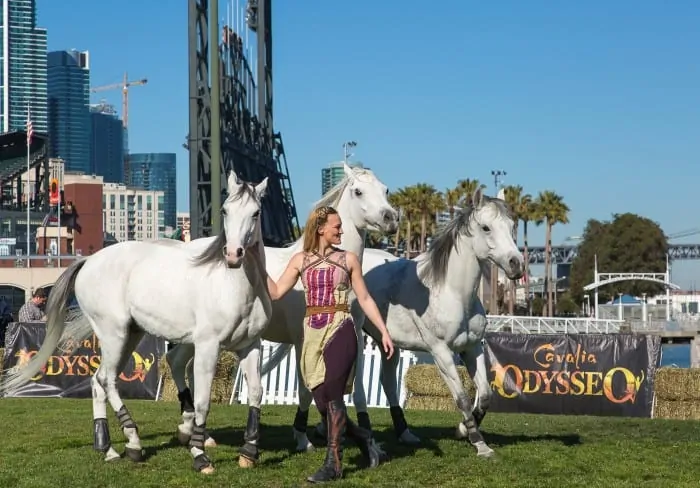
(58, 178)
(29, 140)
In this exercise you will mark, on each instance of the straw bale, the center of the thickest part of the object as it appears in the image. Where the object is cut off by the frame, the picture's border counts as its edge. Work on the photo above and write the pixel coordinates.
(426, 402)
(425, 380)
(221, 386)
(677, 410)
(677, 384)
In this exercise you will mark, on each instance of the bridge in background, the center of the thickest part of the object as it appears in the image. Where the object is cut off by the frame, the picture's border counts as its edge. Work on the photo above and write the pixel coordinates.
(566, 254)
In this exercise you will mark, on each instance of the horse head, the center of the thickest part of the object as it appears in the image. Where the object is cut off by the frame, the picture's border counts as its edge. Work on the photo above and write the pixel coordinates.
(365, 201)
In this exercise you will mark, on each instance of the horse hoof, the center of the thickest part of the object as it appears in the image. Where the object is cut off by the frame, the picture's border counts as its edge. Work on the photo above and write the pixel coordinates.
(209, 442)
(207, 470)
(135, 455)
(245, 462)
(112, 455)
(407, 437)
(308, 448)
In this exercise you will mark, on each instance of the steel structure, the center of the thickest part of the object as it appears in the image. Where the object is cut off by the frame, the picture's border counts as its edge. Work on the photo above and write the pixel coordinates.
(566, 254)
(551, 325)
(245, 140)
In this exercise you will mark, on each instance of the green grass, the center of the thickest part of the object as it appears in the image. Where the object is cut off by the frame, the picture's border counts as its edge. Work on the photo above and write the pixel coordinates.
(48, 443)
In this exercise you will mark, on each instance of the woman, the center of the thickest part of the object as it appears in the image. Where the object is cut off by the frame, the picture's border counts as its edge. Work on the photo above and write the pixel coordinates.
(330, 343)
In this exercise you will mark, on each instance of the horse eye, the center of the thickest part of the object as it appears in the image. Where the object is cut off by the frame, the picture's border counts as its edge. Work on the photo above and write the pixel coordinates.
(485, 228)
(223, 212)
(256, 214)
(358, 193)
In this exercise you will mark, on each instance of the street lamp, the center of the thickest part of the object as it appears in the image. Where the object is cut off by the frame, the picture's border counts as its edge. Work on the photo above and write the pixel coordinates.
(497, 173)
(346, 153)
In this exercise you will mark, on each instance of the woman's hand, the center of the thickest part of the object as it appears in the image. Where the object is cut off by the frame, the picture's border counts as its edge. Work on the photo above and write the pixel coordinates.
(387, 344)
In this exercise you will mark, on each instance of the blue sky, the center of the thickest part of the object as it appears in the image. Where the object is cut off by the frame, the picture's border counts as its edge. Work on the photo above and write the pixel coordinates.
(596, 101)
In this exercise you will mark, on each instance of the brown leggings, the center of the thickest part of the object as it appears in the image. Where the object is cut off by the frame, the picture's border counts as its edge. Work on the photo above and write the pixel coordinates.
(339, 355)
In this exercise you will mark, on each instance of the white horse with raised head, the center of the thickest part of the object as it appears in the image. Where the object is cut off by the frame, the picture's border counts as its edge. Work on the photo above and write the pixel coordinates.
(361, 201)
(216, 298)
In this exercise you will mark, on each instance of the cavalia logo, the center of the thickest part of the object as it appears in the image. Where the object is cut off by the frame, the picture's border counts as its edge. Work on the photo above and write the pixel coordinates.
(82, 358)
(574, 373)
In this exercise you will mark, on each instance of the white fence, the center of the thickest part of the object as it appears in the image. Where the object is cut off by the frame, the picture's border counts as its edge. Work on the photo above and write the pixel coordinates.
(280, 386)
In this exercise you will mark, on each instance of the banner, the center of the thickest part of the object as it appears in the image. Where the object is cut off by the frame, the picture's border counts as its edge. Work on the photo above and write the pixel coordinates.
(69, 370)
(576, 374)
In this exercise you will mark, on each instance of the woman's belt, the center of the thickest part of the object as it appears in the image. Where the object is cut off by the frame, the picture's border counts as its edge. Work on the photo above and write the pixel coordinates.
(343, 307)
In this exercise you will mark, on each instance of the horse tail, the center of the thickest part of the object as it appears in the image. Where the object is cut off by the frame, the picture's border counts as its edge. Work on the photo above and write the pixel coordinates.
(275, 358)
(57, 307)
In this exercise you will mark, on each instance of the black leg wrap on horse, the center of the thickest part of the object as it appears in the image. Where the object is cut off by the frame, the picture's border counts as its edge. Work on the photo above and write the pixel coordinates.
(102, 442)
(397, 417)
(197, 438)
(252, 435)
(301, 420)
(479, 415)
(186, 402)
(363, 421)
(473, 433)
(201, 462)
(125, 420)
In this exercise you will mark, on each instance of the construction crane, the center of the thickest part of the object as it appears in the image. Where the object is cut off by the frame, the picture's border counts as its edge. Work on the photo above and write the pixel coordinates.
(124, 85)
(125, 94)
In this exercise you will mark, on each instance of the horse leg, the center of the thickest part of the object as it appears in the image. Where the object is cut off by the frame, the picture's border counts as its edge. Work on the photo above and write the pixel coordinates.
(475, 362)
(206, 355)
(391, 387)
(249, 360)
(179, 358)
(444, 360)
(115, 353)
(301, 419)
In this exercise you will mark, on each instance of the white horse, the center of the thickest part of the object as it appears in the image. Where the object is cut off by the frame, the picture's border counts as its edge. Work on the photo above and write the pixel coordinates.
(361, 201)
(218, 297)
(430, 304)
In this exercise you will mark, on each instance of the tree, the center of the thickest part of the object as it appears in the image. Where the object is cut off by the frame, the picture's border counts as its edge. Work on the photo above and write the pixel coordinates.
(627, 244)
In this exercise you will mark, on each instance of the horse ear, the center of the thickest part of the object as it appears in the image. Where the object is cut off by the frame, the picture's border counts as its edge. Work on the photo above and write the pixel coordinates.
(478, 197)
(261, 188)
(348, 171)
(501, 193)
(233, 181)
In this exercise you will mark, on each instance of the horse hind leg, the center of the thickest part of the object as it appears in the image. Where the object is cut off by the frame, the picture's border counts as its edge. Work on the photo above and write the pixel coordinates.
(391, 388)
(475, 362)
(115, 353)
(301, 419)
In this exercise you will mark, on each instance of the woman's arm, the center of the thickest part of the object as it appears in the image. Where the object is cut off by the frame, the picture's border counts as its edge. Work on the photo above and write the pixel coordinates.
(287, 280)
(366, 301)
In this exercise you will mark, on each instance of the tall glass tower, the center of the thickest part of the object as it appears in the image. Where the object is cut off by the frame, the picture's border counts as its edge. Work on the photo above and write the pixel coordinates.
(107, 145)
(155, 171)
(23, 62)
(69, 110)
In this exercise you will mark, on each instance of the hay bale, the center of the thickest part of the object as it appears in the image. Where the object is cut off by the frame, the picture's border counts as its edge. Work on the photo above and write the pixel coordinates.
(677, 384)
(221, 387)
(426, 402)
(425, 380)
(677, 410)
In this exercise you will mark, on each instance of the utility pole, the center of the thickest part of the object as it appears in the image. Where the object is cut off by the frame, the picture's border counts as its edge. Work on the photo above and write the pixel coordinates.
(346, 150)
(493, 302)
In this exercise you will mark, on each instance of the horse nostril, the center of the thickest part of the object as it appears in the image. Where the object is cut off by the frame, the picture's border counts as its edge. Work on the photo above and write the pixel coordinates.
(239, 252)
(388, 215)
(514, 264)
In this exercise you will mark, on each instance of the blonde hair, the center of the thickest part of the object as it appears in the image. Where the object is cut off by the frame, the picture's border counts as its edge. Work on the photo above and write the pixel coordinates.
(317, 218)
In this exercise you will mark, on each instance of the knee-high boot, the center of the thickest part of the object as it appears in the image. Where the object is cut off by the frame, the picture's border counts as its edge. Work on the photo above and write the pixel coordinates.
(363, 438)
(332, 468)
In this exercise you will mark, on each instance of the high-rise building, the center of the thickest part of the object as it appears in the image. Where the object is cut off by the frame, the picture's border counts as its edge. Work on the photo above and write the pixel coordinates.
(69, 111)
(334, 174)
(155, 172)
(23, 73)
(107, 144)
(132, 214)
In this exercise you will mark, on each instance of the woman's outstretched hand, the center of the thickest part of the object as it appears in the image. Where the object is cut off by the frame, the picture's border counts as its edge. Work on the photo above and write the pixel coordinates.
(388, 345)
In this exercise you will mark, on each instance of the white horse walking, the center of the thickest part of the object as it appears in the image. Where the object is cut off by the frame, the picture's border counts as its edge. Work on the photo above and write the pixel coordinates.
(361, 201)
(217, 298)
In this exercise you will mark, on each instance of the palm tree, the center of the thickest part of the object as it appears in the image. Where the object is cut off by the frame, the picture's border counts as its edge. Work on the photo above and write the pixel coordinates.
(466, 188)
(513, 196)
(551, 210)
(428, 201)
(525, 210)
(398, 200)
(451, 200)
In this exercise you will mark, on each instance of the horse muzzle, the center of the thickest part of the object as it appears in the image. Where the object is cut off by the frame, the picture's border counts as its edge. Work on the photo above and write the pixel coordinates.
(234, 257)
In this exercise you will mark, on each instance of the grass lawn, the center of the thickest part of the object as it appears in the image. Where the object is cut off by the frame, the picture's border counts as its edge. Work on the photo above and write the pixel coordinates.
(48, 443)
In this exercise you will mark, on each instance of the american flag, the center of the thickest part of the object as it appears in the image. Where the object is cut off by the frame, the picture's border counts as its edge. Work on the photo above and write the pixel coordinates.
(30, 126)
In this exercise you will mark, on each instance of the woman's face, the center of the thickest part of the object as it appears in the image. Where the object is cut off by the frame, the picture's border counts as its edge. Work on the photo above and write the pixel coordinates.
(332, 230)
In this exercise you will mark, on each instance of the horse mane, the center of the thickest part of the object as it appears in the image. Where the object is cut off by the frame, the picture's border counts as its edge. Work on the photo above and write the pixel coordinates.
(213, 253)
(446, 238)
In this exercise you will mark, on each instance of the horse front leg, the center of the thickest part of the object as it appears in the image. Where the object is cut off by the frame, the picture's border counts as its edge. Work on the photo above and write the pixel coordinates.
(444, 360)
(475, 361)
(250, 362)
(391, 390)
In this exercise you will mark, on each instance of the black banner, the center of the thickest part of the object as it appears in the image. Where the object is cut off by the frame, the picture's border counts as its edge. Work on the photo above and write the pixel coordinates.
(575, 374)
(69, 370)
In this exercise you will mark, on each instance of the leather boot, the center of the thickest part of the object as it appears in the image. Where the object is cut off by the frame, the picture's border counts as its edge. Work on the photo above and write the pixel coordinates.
(332, 468)
(363, 439)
